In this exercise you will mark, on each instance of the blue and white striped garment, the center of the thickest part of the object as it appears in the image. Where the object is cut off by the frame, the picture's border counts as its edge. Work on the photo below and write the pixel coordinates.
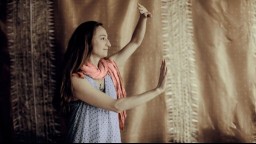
(89, 124)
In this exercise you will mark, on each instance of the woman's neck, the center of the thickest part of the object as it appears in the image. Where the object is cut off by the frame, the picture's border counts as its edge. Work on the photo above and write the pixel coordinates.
(95, 60)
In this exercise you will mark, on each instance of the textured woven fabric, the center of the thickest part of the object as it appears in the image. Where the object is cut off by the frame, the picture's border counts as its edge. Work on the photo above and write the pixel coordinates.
(89, 124)
(30, 30)
(182, 92)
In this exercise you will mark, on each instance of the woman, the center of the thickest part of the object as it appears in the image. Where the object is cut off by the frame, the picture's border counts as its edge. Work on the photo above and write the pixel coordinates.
(92, 91)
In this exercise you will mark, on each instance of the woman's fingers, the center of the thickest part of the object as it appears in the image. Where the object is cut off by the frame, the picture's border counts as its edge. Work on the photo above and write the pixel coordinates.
(144, 11)
(164, 71)
(162, 76)
(163, 67)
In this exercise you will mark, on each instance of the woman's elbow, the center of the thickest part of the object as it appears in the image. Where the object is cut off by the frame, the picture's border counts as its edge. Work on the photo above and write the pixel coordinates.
(118, 106)
(117, 110)
(136, 42)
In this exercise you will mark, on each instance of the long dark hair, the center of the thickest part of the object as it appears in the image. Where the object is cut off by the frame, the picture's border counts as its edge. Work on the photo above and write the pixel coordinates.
(78, 51)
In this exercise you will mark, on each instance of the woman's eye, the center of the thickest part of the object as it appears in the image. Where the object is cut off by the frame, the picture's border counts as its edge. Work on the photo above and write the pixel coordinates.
(103, 38)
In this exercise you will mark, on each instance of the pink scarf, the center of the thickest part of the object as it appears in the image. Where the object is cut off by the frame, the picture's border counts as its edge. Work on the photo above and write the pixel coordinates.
(107, 66)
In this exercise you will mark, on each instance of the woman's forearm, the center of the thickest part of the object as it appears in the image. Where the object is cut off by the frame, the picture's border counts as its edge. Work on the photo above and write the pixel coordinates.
(140, 30)
(133, 101)
(136, 100)
(121, 56)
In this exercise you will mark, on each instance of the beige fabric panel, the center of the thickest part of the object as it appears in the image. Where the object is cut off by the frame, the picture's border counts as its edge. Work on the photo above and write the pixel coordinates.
(223, 35)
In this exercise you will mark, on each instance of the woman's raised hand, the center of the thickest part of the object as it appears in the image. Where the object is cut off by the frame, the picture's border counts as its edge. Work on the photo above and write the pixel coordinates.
(162, 77)
(144, 11)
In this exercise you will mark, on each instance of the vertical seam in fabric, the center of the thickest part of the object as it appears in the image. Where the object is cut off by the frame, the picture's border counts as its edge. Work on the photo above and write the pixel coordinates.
(32, 63)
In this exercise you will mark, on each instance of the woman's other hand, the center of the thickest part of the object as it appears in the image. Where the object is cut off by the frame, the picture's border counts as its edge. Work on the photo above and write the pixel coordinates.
(162, 77)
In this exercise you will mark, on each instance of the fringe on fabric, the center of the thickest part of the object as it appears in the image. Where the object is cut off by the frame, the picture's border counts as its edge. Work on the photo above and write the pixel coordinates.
(182, 85)
(252, 51)
(30, 28)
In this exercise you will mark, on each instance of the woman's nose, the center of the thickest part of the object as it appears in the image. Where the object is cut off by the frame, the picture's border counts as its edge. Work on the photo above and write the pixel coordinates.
(108, 44)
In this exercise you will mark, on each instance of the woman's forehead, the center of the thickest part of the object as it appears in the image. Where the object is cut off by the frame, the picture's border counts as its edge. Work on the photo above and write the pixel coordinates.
(100, 31)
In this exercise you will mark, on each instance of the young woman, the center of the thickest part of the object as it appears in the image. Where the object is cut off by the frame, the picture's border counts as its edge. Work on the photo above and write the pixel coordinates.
(92, 91)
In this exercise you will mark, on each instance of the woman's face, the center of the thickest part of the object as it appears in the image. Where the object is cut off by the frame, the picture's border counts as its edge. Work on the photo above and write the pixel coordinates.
(100, 43)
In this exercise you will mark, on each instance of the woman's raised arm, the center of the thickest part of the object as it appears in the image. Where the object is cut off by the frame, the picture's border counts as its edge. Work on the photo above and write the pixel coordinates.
(138, 35)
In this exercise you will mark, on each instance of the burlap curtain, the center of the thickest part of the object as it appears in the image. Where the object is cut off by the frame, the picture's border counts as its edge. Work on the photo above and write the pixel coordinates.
(30, 34)
(210, 50)
(224, 34)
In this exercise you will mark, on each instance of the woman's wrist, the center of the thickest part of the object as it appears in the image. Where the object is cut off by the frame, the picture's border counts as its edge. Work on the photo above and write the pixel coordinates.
(159, 90)
(143, 15)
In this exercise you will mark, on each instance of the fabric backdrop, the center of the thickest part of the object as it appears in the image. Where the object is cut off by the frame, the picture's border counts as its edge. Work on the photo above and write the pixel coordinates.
(209, 47)
(224, 33)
